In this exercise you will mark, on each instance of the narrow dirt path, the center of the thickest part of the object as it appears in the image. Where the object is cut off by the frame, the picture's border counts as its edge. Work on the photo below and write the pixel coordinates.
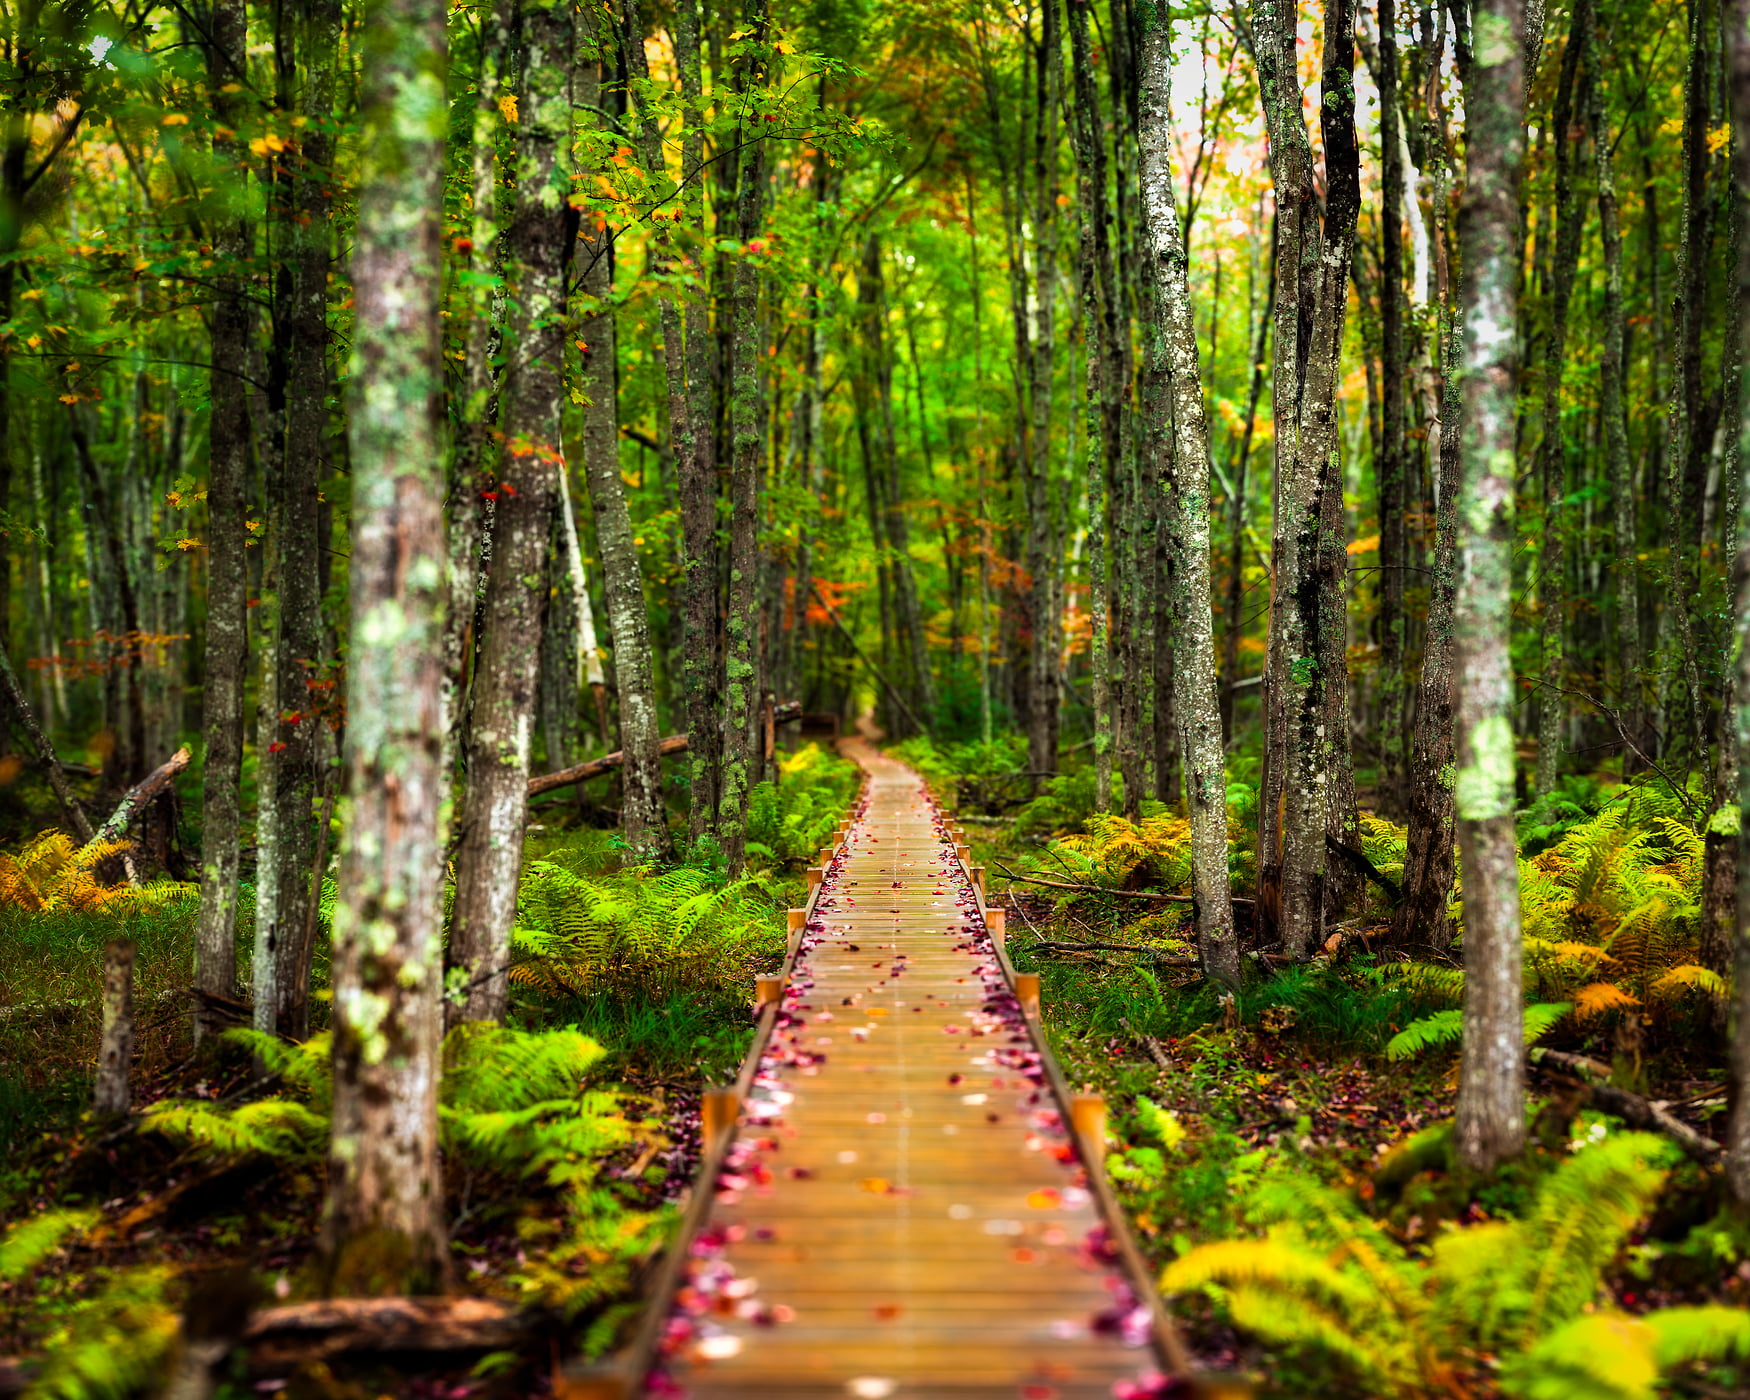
(902, 1213)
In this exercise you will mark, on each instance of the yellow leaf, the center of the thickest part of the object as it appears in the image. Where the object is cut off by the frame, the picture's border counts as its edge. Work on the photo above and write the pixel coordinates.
(785, 46)
(69, 398)
(34, 294)
(1718, 138)
(876, 1185)
(34, 341)
(188, 544)
(1366, 546)
(174, 119)
(507, 106)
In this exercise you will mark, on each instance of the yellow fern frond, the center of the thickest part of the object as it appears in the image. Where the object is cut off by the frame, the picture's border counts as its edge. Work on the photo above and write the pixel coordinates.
(1690, 976)
(1596, 998)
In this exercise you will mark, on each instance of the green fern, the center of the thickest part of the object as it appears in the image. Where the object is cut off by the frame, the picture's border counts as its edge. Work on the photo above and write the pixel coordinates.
(113, 1345)
(267, 1127)
(32, 1240)
(1445, 1027)
(1327, 1278)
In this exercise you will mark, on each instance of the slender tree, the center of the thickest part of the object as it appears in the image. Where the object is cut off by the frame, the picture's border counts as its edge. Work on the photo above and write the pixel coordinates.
(215, 957)
(383, 1231)
(507, 667)
(1173, 345)
(1491, 1093)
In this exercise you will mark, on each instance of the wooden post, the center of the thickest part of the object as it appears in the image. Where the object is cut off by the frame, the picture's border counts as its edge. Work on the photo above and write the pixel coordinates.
(721, 1108)
(115, 1053)
(977, 873)
(826, 855)
(766, 989)
(591, 1383)
(815, 876)
(795, 919)
(996, 920)
(1087, 1112)
(1027, 989)
(962, 851)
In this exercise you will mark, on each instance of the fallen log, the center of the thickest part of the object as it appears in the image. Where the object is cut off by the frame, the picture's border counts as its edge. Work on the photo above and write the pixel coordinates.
(673, 744)
(142, 795)
(1102, 889)
(1634, 1110)
(53, 768)
(284, 1337)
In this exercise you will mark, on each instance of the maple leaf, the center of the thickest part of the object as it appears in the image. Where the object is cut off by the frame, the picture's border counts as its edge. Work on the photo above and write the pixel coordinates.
(507, 106)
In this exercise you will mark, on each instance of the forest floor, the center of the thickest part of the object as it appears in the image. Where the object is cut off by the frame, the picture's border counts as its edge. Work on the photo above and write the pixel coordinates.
(139, 1226)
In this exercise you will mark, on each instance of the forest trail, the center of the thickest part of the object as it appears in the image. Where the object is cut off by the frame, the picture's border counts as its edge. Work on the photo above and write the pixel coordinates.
(902, 1213)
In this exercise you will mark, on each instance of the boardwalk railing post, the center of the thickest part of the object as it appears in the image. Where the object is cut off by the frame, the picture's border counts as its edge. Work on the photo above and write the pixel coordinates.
(996, 920)
(721, 1108)
(1087, 1112)
(815, 875)
(1027, 990)
(766, 989)
(977, 873)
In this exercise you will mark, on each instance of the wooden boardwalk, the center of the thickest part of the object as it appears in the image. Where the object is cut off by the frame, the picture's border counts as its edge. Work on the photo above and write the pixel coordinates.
(902, 1210)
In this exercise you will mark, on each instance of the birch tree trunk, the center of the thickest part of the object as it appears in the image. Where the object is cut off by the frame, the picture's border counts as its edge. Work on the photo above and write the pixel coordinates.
(227, 646)
(1173, 347)
(741, 762)
(1491, 1091)
(508, 655)
(383, 1231)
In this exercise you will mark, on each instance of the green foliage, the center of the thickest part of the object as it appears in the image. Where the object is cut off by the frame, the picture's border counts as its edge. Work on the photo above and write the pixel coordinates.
(1325, 1278)
(1445, 1027)
(33, 1239)
(791, 820)
(112, 1344)
(641, 926)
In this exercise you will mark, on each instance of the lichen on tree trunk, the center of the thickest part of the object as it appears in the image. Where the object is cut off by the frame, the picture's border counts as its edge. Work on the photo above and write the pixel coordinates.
(383, 1230)
(1491, 1091)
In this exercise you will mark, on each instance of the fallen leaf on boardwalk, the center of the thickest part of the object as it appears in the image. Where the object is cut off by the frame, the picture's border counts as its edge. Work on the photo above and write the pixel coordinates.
(887, 1312)
(877, 1185)
(1049, 1198)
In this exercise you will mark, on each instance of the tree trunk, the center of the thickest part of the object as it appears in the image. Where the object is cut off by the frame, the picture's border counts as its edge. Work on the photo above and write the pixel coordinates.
(1567, 123)
(115, 1050)
(1738, 1125)
(1174, 347)
(1096, 293)
(1390, 468)
(741, 763)
(1491, 1091)
(1306, 655)
(1612, 370)
(45, 751)
(290, 736)
(227, 647)
(383, 1232)
(1044, 660)
(508, 655)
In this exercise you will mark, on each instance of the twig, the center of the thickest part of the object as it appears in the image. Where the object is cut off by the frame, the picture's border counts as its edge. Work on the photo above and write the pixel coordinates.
(1149, 1044)
(1630, 1107)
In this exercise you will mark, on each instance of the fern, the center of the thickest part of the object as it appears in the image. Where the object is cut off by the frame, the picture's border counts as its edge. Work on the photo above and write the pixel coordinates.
(268, 1127)
(1444, 1027)
(31, 1241)
(1327, 1278)
(113, 1345)
(51, 873)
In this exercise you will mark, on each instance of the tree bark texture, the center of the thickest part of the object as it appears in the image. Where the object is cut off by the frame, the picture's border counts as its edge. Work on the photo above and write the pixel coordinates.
(741, 762)
(115, 1049)
(1390, 470)
(1045, 656)
(508, 656)
(383, 1231)
(1096, 292)
(1568, 123)
(1173, 346)
(291, 736)
(215, 957)
(1737, 1162)
(1491, 1092)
